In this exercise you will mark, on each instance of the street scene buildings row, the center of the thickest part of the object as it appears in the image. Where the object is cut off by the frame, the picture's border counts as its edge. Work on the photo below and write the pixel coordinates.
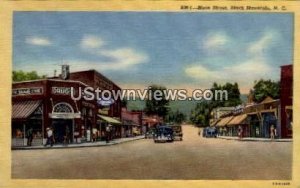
(259, 119)
(45, 103)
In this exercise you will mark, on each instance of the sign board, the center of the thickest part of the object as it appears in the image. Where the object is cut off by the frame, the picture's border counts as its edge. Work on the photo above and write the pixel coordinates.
(64, 115)
(61, 90)
(103, 111)
(107, 102)
(27, 91)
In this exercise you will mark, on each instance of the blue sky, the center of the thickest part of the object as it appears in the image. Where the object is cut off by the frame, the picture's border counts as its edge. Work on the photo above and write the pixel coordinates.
(135, 49)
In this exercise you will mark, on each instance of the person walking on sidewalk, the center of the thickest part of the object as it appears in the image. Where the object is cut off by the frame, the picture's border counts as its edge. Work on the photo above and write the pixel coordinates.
(272, 132)
(29, 136)
(240, 132)
(67, 136)
(107, 130)
(49, 137)
(88, 134)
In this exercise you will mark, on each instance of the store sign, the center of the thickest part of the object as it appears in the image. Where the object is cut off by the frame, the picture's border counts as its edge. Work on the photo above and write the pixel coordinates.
(27, 91)
(106, 102)
(103, 111)
(64, 115)
(61, 90)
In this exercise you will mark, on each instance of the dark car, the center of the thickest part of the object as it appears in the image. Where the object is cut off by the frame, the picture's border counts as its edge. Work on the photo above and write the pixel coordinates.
(150, 133)
(163, 134)
(177, 132)
(209, 132)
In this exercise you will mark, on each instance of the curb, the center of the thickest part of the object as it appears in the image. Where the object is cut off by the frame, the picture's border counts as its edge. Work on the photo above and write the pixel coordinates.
(74, 146)
(253, 140)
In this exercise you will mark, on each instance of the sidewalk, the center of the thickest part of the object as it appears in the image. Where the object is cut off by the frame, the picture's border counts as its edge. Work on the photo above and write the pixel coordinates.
(255, 139)
(86, 144)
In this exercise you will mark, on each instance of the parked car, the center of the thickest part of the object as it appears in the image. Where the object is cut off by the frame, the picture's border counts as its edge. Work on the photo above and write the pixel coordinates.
(163, 134)
(177, 132)
(136, 131)
(209, 132)
(150, 133)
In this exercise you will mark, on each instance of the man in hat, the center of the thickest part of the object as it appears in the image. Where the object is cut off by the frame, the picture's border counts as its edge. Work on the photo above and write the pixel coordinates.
(29, 136)
(49, 137)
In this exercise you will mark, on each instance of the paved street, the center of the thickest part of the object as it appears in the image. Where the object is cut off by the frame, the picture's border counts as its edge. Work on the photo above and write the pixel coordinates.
(193, 158)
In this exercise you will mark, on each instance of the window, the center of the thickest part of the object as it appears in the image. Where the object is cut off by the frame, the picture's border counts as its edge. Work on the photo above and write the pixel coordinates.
(63, 108)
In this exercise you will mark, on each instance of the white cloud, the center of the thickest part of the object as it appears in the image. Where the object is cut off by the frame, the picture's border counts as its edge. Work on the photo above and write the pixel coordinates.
(123, 58)
(215, 40)
(244, 73)
(251, 65)
(118, 59)
(267, 39)
(39, 41)
(90, 41)
(198, 71)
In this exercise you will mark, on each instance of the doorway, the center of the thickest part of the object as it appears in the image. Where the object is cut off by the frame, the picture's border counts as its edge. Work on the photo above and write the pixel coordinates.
(60, 129)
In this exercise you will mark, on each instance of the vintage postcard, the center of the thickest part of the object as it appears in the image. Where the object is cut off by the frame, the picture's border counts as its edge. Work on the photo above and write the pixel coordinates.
(149, 93)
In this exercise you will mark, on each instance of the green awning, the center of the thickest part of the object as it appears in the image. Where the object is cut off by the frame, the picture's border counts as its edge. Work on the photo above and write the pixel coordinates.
(109, 119)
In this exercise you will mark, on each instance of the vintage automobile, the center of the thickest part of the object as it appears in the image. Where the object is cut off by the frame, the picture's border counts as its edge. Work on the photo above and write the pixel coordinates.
(163, 134)
(150, 133)
(209, 132)
(177, 132)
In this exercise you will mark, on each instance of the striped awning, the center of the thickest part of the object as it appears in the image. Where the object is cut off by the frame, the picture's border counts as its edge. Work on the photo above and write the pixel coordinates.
(23, 109)
(224, 121)
(238, 120)
(109, 119)
(214, 123)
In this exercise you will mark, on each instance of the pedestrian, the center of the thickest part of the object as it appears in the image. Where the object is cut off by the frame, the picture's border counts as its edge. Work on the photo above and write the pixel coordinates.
(240, 132)
(29, 136)
(49, 137)
(272, 132)
(107, 130)
(88, 134)
(76, 135)
(67, 135)
(94, 132)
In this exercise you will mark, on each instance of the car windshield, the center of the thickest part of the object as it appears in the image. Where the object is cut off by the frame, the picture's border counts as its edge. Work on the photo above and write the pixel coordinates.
(176, 128)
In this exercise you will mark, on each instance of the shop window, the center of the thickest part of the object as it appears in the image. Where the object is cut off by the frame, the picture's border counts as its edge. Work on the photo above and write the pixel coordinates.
(63, 108)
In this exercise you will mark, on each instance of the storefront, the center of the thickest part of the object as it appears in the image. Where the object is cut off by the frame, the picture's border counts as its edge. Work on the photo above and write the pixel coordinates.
(26, 115)
(239, 121)
(40, 104)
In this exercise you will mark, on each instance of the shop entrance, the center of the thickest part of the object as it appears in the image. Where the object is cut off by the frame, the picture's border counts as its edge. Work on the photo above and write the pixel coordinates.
(62, 130)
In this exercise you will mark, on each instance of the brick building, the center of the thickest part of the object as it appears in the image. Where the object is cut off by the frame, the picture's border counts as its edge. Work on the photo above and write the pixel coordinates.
(286, 98)
(47, 103)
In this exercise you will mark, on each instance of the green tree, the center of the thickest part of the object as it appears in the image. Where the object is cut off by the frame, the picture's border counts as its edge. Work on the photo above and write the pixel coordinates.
(202, 112)
(18, 76)
(233, 95)
(156, 102)
(264, 88)
(175, 117)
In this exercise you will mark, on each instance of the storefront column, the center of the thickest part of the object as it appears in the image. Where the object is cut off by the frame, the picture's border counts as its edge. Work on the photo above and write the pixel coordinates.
(24, 134)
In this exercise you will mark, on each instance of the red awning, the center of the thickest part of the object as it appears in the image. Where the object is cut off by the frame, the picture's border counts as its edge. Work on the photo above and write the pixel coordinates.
(23, 109)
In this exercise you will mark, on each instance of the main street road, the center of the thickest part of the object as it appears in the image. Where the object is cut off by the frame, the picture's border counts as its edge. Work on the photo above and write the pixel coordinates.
(193, 158)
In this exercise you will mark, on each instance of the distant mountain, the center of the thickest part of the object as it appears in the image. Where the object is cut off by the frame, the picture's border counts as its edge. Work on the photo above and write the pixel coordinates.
(183, 106)
(244, 98)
